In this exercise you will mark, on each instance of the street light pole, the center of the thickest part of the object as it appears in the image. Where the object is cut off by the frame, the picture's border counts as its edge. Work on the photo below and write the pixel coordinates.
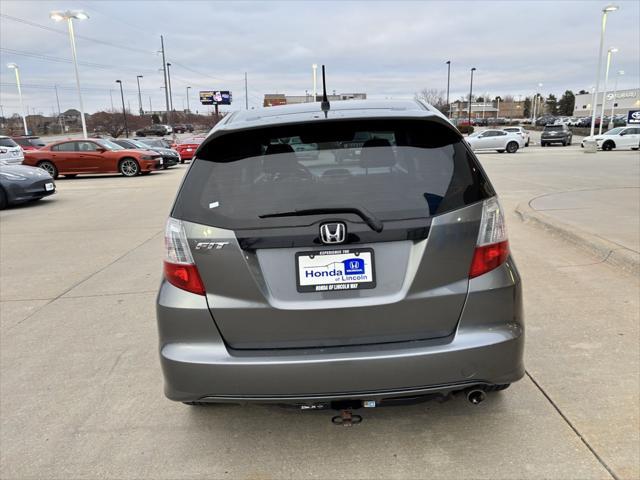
(448, 83)
(170, 95)
(138, 77)
(14, 67)
(124, 112)
(613, 100)
(188, 110)
(605, 12)
(471, 93)
(69, 16)
(611, 51)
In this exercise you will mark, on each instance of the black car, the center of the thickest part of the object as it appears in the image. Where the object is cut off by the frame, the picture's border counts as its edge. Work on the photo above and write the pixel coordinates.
(545, 120)
(20, 183)
(152, 130)
(169, 157)
(189, 127)
(556, 134)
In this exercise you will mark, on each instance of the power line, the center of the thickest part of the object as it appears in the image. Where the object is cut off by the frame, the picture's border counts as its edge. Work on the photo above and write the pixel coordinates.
(89, 39)
(49, 58)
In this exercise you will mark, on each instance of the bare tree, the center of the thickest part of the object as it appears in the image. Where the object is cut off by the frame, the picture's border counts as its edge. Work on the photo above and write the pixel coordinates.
(435, 97)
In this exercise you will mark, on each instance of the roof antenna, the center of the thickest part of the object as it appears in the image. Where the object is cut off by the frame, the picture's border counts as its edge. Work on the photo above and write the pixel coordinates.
(325, 106)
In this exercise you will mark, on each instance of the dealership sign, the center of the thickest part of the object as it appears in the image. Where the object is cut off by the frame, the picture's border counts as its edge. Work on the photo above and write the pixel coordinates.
(215, 97)
(633, 117)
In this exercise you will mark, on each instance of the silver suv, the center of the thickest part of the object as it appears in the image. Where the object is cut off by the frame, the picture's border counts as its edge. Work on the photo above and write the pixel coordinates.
(345, 271)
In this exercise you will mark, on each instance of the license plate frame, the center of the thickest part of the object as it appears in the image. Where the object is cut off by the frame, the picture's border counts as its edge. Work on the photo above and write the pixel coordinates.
(353, 281)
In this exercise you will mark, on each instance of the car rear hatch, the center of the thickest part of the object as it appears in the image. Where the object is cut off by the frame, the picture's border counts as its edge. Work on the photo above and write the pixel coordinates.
(334, 244)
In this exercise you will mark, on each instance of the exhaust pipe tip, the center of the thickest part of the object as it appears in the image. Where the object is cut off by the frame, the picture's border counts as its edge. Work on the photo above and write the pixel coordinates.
(476, 396)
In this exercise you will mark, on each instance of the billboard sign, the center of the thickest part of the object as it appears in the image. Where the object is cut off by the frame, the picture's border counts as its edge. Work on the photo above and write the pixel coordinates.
(633, 117)
(215, 97)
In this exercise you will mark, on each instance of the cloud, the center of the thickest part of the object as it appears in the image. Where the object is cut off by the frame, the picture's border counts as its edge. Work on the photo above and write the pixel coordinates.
(386, 49)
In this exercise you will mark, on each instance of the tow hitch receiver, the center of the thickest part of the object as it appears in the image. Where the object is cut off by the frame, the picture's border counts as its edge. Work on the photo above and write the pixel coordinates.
(346, 418)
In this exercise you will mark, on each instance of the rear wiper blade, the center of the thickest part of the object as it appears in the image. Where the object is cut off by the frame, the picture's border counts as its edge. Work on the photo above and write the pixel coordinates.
(369, 218)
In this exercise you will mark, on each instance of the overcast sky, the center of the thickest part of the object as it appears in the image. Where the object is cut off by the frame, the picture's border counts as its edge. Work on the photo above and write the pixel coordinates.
(386, 49)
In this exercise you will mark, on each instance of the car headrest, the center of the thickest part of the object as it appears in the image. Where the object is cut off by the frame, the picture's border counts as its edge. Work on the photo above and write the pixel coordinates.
(283, 159)
(374, 155)
(279, 148)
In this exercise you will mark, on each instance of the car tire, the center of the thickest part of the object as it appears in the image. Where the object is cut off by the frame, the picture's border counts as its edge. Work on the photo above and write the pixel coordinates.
(526, 144)
(542, 144)
(129, 167)
(608, 146)
(70, 175)
(49, 167)
(4, 202)
(564, 143)
(512, 147)
(570, 140)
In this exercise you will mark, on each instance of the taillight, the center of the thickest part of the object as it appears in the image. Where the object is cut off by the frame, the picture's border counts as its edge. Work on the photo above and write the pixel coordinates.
(179, 267)
(492, 247)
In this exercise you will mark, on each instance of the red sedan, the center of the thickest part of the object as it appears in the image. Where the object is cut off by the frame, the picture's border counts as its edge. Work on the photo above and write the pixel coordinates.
(187, 147)
(93, 155)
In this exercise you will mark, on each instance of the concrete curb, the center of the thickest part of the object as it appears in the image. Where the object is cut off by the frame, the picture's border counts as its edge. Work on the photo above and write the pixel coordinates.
(609, 252)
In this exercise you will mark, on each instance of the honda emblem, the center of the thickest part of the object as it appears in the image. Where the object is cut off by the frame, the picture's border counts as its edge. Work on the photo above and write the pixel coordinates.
(333, 232)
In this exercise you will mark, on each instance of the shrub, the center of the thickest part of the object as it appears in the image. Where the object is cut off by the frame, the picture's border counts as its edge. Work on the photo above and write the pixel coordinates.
(466, 129)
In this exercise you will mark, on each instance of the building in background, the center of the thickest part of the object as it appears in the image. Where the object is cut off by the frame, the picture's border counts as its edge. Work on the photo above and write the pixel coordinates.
(625, 100)
(274, 99)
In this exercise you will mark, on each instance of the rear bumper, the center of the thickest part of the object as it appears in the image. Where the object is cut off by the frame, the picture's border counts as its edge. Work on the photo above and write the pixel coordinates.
(485, 349)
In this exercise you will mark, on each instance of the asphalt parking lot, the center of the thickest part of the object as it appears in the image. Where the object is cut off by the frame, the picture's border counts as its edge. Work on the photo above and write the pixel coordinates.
(81, 387)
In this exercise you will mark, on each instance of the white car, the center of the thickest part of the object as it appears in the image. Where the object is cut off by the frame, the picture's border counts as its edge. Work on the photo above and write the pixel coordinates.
(498, 140)
(10, 152)
(618, 138)
(520, 131)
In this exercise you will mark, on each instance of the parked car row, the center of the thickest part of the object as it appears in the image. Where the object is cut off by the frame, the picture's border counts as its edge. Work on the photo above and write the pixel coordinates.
(29, 167)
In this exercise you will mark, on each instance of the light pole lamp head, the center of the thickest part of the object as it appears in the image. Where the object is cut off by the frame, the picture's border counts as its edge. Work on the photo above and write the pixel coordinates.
(473, 69)
(613, 49)
(12, 66)
(610, 8)
(139, 76)
(119, 81)
(59, 15)
(448, 62)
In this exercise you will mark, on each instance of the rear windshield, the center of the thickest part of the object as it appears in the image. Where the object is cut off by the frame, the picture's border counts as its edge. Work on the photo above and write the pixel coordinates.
(7, 142)
(396, 170)
(29, 142)
(554, 127)
(511, 129)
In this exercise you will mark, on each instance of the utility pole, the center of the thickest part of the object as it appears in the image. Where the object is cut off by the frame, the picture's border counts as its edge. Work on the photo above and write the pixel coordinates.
(59, 114)
(111, 97)
(166, 89)
(150, 107)
(140, 95)
(246, 93)
(170, 94)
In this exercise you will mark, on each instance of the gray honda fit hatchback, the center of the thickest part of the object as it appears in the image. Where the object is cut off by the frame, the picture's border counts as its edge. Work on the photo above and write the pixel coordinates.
(354, 254)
